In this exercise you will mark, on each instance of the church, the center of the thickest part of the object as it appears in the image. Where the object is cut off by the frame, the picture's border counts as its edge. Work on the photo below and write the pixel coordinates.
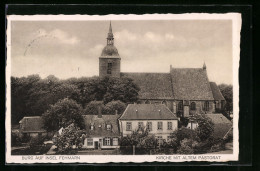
(185, 91)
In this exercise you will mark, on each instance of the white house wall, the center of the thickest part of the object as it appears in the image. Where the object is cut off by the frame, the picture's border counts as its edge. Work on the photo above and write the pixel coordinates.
(164, 132)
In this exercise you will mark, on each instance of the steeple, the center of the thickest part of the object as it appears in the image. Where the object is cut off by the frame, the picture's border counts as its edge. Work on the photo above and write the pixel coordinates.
(110, 36)
(204, 66)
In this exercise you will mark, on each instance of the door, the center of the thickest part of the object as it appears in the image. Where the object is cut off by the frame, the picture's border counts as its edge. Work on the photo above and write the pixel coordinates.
(96, 144)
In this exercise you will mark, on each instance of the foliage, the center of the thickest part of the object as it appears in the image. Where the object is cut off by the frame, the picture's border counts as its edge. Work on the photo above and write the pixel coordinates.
(187, 146)
(205, 127)
(142, 141)
(93, 107)
(62, 114)
(15, 140)
(113, 106)
(32, 96)
(37, 141)
(183, 133)
(227, 92)
(71, 136)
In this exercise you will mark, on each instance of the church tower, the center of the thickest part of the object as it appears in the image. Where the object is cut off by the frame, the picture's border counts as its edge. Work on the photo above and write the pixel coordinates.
(109, 61)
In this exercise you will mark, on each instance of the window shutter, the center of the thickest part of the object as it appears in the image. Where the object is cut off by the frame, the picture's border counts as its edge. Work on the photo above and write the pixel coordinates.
(111, 141)
(104, 141)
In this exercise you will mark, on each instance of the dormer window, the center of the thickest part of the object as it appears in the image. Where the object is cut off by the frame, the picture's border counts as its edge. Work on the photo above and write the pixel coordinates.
(108, 127)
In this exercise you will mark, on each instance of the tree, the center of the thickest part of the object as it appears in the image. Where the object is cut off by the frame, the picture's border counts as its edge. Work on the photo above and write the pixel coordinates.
(140, 140)
(62, 114)
(70, 139)
(227, 92)
(123, 89)
(205, 127)
(113, 106)
(93, 107)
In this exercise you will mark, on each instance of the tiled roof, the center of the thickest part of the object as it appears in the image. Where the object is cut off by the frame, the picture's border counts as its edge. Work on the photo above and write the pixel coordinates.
(152, 85)
(100, 125)
(32, 124)
(216, 92)
(221, 124)
(190, 84)
(147, 111)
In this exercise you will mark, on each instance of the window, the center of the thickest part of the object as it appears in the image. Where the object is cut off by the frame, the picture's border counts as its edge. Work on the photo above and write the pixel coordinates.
(140, 125)
(169, 125)
(115, 141)
(159, 140)
(206, 106)
(159, 125)
(90, 142)
(222, 104)
(149, 126)
(193, 106)
(109, 68)
(180, 106)
(107, 141)
(147, 102)
(129, 126)
(108, 127)
(164, 102)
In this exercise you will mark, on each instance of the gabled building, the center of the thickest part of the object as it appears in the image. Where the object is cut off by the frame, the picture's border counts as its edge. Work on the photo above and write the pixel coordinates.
(156, 118)
(185, 91)
(32, 126)
(102, 131)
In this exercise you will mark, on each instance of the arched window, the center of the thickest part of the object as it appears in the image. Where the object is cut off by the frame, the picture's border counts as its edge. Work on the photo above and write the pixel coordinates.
(193, 106)
(164, 102)
(180, 106)
(206, 106)
(147, 102)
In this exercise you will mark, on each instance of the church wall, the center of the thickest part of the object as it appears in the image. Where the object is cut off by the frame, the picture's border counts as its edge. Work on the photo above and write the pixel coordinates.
(103, 66)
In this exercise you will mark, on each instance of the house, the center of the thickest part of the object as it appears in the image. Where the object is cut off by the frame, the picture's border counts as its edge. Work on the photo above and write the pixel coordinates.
(32, 126)
(185, 91)
(222, 125)
(156, 118)
(102, 131)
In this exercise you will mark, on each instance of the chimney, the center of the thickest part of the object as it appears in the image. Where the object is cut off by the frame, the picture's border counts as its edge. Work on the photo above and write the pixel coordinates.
(99, 112)
(159, 111)
(170, 68)
(136, 111)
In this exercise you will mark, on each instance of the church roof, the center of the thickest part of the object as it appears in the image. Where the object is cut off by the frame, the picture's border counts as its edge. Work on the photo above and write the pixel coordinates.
(100, 125)
(152, 85)
(110, 51)
(191, 84)
(216, 92)
(147, 111)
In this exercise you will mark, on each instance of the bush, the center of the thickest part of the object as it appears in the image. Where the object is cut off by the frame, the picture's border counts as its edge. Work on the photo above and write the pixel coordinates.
(113, 106)
(183, 133)
(187, 146)
(71, 136)
(15, 140)
(36, 142)
(25, 138)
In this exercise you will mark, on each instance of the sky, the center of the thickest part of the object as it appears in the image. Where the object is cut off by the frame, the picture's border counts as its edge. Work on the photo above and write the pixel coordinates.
(68, 49)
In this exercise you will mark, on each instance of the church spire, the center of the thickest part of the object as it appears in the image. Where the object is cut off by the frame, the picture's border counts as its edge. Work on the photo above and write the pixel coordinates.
(204, 66)
(110, 36)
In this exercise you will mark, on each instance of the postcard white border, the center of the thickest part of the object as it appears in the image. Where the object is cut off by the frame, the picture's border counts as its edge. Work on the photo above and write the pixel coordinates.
(236, 26)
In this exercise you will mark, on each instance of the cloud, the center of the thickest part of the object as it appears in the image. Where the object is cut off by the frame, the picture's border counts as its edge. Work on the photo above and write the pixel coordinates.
(64, 37)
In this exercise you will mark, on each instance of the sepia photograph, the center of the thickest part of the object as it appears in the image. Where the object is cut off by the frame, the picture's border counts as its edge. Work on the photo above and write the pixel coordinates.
(122, 88)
